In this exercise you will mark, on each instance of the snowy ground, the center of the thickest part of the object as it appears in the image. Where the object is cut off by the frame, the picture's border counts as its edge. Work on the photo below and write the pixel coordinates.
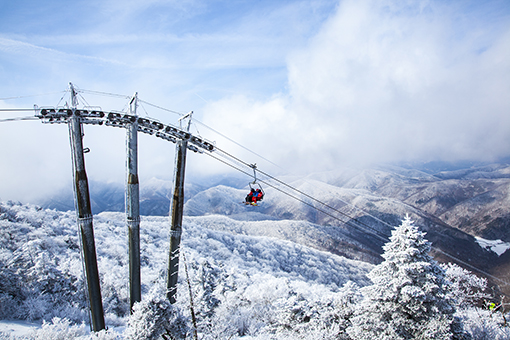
(245, 280)
(17, 328)
(497, 246)
(241, 281)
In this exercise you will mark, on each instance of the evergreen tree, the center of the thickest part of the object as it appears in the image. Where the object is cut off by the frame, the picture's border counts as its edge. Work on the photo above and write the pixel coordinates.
(407, 299)
(154, 318)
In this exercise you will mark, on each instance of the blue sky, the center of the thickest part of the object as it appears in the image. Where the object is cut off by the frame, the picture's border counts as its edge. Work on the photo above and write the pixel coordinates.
(311, 85)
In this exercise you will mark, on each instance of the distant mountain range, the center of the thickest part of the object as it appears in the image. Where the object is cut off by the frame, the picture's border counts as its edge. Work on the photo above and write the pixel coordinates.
(453, 205)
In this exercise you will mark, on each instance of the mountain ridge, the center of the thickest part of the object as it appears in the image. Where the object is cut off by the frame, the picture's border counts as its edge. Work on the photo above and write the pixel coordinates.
(452, 206)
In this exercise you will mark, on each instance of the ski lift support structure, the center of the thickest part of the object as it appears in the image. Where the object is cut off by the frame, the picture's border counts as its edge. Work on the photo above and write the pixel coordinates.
(75, 118)
(177, 207)
(84, 213)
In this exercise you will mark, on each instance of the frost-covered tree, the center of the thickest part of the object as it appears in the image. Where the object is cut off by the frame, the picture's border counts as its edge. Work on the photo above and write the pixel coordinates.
(155, 316)
(407, 299)
(465, 288)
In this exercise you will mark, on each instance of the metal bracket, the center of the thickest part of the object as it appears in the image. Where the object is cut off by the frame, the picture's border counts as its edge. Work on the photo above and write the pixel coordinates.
(254, 167)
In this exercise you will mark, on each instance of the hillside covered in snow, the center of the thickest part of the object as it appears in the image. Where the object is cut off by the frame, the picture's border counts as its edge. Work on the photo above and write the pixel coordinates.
(462, 208)
(235, 286)
(258, 279)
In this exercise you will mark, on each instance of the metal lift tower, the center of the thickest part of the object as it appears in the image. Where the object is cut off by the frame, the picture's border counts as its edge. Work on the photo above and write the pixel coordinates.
(133, 205)
(84, 215)
(176, 215)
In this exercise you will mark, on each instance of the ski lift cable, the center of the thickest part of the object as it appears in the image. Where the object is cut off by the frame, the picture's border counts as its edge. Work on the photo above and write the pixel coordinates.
(365, 227)
(471, 266)
(143, 107)
(283, 183)
(105, 94)
(15, 110)
(373, 231)
(346, 215)
(294, 197)
(62, 98)
(124, 96)
(162, 108)
(241, 162)
(303, 193)
(236, 143)
(30, 96)
(245, 164)
(17, 119)
(306, 195)
(196, 121)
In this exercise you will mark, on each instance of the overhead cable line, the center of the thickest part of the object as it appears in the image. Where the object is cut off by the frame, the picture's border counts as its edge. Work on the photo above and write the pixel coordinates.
(195, 121)
(16, 119)
(15, 110)
(262, 157)
(180, 114)
(162, 108)
(364, 227)
(256, 154)
(471, 266)
(29, 96)
(297, 190)
(104, 94)
(236, 143)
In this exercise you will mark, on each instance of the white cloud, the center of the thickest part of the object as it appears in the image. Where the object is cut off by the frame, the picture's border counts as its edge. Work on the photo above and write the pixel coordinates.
(371, 81)
(388, 81)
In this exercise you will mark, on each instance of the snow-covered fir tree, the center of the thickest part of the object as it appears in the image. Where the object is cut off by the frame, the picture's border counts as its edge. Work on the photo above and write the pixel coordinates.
(407, 299)
(154, 316)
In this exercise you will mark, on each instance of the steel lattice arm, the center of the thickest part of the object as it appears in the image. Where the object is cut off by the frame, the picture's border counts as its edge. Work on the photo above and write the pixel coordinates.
(116, 119)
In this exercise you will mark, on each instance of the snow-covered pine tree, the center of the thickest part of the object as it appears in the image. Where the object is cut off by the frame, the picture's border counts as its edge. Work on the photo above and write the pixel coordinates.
(154, 317)
(407, 299)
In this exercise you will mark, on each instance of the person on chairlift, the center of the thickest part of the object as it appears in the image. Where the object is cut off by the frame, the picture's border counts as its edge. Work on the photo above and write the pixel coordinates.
(249, 197)
(258, 195)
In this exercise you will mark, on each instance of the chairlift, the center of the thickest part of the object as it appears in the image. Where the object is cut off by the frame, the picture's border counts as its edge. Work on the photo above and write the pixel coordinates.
(255, 185)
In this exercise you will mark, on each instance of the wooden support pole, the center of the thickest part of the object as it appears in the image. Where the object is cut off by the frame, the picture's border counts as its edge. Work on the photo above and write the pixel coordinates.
(84, 218)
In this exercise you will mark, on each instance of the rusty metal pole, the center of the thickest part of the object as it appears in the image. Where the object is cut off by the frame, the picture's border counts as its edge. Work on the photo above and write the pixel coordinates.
(176, 215)
(133, 207)
(176, 228)
(84, 217)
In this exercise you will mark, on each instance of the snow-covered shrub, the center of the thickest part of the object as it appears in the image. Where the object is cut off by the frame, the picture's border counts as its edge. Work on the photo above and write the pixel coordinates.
(11, 292)
(64, 329)
(60, 329)
(407, 299)
(154, 316)
(483, 324)
(40, 269)
(464, 288)
(302, 313)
